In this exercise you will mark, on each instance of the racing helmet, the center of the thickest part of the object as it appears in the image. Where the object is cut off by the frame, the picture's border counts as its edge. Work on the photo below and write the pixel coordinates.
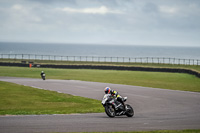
(107, 90)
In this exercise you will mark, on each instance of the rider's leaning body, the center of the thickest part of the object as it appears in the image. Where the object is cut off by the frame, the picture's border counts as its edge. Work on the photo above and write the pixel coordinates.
(115, 94)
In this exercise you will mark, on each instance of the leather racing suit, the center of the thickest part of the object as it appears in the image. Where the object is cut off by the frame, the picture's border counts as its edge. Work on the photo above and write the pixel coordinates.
(119, 98)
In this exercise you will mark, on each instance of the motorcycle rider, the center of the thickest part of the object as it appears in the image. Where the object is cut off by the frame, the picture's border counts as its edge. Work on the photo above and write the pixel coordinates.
(42, 73)
(116, 95)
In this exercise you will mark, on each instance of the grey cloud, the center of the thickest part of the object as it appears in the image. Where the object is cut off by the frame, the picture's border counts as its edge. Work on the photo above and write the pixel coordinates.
(146, 21)
(71, 2)
(150, 7)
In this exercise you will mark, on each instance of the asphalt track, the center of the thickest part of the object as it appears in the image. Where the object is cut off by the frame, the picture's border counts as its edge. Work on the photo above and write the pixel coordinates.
(155, 109)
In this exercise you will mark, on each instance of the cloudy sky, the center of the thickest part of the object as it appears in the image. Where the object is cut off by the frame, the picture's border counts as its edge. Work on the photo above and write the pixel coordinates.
(133, 22)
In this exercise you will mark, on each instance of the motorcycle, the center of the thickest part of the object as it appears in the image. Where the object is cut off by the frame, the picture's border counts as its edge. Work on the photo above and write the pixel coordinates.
(43, 76)
(115, 108)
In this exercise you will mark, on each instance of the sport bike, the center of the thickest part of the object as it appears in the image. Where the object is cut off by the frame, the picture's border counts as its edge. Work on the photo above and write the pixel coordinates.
(43, 76)
(115, 108)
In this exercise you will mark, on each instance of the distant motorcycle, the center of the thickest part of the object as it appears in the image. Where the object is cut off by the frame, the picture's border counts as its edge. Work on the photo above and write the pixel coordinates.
(43, 76)
(115, 108)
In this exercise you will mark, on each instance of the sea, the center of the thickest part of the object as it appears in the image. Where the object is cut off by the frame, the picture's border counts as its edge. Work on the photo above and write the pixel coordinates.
(100, 50)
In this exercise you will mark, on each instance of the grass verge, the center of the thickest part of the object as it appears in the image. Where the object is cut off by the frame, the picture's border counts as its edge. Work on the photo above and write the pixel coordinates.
(152, 65)
(23, 100)
(175, 81)
(160, 131)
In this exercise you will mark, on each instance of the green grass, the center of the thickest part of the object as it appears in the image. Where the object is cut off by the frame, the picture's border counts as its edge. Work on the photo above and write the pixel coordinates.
(27, 100)
(160, 131)
(23, 100)
(154, 65)
(175, 81)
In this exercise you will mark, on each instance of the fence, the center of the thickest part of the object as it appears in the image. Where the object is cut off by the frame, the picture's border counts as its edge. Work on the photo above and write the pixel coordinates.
(158, 60)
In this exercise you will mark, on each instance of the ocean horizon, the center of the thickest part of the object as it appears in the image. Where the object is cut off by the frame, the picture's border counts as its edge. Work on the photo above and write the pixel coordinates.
(100, 50)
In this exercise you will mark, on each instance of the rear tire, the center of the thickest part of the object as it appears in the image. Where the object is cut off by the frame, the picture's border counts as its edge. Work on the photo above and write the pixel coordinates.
(110, 111)
(130, 111)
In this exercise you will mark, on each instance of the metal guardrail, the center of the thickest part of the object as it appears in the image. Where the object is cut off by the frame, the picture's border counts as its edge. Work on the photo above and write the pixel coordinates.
(158, 60)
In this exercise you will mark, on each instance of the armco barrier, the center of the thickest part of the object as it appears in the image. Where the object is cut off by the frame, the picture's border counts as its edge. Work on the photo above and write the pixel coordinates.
(14, 64)
(171, 70)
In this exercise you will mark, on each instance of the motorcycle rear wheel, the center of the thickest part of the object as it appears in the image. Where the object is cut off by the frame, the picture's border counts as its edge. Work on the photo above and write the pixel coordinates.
(110, 111)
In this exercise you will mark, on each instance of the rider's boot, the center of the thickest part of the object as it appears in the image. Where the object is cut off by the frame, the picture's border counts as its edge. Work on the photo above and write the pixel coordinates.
(124, 107)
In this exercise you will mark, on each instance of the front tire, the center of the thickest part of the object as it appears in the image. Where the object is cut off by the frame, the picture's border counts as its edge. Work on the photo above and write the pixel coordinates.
(110, 111)
(130, 111)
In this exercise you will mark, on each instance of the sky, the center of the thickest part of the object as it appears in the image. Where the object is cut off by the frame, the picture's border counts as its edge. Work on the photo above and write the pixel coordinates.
(121, 22)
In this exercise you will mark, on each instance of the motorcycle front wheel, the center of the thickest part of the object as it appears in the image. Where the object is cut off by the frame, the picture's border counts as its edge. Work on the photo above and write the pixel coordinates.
(110, 111)
(130, 111)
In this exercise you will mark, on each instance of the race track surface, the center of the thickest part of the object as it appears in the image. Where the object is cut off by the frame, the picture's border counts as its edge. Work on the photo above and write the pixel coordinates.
(155, 109)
